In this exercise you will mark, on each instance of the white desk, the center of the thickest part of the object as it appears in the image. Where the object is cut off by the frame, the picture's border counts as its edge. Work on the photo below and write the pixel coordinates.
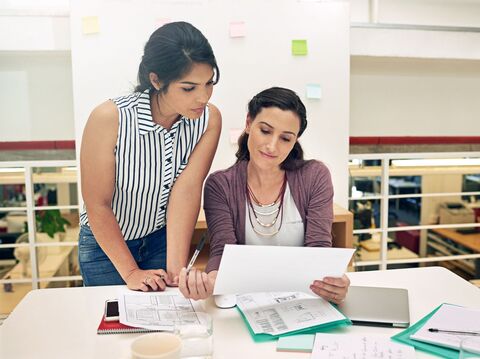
(62, 323)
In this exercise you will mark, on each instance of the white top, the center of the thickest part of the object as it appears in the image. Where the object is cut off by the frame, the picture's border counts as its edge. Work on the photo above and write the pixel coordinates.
(148, 160)
(62, 322)
(292, 232)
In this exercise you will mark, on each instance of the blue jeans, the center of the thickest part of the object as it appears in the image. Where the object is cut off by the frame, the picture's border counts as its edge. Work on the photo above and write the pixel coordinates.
(150, 252)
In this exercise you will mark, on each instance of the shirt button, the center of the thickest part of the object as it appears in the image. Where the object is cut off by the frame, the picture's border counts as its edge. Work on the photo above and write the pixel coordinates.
(169, 159)
(162, 208)
(166, 186)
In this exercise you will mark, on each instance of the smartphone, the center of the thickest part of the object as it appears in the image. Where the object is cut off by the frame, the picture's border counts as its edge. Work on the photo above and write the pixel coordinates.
(111, 310)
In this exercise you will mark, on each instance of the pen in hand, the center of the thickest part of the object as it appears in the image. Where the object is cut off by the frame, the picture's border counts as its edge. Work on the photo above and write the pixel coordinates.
(197, 251)
(458, 332)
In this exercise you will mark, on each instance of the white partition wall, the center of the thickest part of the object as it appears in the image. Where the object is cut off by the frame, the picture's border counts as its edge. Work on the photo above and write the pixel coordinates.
(105, 63)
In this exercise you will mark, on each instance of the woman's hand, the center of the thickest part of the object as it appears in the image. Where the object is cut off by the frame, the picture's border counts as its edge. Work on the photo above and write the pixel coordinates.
(196, 284)
(148, 280)
(331, 289)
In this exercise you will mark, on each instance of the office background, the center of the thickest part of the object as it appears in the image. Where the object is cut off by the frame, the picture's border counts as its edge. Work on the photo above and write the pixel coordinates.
(388, 69)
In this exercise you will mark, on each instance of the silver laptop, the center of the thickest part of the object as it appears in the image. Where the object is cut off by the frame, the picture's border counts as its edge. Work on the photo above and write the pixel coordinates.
(377, 306)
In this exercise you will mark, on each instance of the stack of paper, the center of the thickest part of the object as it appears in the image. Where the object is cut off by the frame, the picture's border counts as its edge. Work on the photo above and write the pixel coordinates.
(445, 317)
(449, 325)
(341, 346)
(155, 310)
(270, 315)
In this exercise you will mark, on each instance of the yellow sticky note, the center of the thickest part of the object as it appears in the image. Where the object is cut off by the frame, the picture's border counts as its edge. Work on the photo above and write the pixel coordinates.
(90, 25)
(299, 47)
(238, 29)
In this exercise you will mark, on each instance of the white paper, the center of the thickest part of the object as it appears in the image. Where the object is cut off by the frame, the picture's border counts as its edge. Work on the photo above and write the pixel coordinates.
(248, 269)
(449, 317)
(283, 312)
(154, 310)
(347, 346)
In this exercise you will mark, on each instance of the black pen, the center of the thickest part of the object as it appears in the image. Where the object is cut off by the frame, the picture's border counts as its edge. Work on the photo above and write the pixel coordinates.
(197, 251)
(461, 332)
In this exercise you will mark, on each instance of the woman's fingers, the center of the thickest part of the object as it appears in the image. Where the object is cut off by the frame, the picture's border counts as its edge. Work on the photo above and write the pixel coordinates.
(195, 284)
(182, 283)
(332, 289)
(159, 283)
(192, 283)
(201, 290)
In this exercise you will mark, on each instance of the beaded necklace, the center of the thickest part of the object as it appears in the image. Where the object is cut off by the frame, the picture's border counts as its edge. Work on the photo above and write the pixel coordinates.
(278, 211)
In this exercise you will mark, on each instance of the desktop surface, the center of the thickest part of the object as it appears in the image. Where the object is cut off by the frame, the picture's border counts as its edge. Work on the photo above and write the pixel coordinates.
(73, 315)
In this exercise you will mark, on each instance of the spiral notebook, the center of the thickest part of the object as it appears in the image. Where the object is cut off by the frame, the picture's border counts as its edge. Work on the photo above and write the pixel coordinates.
(119, 328)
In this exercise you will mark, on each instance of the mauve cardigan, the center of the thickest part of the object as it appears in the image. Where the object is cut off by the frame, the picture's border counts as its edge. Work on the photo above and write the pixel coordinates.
(224, 204)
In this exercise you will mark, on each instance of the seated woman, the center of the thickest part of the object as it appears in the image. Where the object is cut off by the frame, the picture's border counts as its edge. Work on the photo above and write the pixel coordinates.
(271, 196)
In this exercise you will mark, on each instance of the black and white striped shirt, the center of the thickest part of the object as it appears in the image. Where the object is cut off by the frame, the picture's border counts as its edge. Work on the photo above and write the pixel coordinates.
(148, 160)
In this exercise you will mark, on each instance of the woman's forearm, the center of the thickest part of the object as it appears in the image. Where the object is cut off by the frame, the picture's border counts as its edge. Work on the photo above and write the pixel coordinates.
(108, 235)
(182, 216)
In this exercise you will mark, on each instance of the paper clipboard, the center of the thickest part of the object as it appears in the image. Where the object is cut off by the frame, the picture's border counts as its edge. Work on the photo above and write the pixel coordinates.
(404, 337)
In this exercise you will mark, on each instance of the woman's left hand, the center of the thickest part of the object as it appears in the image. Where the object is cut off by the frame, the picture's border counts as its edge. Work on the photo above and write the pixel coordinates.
(331, 289)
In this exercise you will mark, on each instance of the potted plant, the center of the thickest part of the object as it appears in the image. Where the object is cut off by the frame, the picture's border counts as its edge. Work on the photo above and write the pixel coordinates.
(50, 222)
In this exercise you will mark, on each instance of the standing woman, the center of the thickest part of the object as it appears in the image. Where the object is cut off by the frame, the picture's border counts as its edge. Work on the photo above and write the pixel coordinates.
(143, 161)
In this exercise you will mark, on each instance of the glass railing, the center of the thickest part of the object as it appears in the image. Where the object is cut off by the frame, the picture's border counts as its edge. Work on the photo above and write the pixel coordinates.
(416, 209)
(38, 228)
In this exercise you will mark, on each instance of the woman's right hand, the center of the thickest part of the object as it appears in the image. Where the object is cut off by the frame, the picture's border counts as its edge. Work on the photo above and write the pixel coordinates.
(148, 280)
(196, 284)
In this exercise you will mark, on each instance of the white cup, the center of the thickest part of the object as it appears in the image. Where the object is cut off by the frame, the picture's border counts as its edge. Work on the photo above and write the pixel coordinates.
(156, 346)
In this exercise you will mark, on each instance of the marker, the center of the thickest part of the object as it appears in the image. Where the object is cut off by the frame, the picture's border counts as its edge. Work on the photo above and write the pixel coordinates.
(197, 251)
(461, 332)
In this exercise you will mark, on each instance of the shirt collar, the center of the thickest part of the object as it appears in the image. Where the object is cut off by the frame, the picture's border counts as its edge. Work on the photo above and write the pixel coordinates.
(145, 119)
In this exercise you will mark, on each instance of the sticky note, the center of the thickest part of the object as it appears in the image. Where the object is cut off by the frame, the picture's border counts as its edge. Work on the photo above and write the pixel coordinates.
(234, 134)
(159, 22)
(238, 29)
(90, 25)
(314, 91)
(302, 343)
(299, 47)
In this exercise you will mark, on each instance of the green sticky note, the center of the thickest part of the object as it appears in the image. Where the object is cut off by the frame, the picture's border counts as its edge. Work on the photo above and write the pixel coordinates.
(302, 343)
(299, 47)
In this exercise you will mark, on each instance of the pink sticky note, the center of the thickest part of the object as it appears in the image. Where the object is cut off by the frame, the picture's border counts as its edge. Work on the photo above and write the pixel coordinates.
(159, 22)
(234, 135)
(238, 29)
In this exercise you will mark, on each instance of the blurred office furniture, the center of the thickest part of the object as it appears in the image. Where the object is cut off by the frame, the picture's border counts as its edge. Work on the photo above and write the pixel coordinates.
(446, 242)
(16, 221)
(402, 186)
(455, 212)
(370, 250)
(409, 238)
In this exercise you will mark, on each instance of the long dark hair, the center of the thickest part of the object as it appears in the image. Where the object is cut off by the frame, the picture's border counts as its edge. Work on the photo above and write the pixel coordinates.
(170, 53)
(286, 100)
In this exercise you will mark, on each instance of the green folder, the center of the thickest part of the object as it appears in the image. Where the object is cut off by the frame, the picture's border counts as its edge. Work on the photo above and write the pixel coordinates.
(404, 337)
(263, 337)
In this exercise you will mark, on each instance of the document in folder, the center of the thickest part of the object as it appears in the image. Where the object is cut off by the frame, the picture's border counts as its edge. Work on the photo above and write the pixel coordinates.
(248, 269)
(456, 321)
